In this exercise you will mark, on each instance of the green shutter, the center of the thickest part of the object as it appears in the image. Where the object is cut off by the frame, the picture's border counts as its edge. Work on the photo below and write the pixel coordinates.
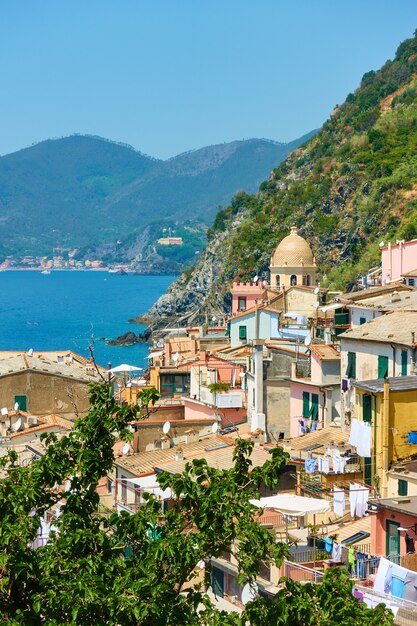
(351, 367)
(242, 333)
(314, 406)
(306, 404)
(367, 408)
(382, 366)
(402, 487)
(22, 402)
(404, 361)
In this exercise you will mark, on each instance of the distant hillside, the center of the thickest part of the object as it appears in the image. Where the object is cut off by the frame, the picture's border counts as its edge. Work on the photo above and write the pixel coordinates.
(84, 191)
(351, 186)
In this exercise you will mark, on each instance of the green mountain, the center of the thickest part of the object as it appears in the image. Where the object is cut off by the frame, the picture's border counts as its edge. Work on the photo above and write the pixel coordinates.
(351, 186)
(87, 192)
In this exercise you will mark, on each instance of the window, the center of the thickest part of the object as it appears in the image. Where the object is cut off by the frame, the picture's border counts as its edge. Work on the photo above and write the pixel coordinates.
(306, 280)
(411, 282)
(242, 333)
(314, 412)
(278, 280)
(124, 489)
(174, 383)
(404, 361)
(362, 320)
(306, 404)
(367, 407)
(293, 280)
(22, 402)
(241, 303)
(382, 366)
(351, 366)
(402, 487)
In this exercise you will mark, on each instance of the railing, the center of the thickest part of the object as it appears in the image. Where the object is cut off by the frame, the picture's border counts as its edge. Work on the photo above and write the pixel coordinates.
(407, 610)
(308, 556)
(294, 571)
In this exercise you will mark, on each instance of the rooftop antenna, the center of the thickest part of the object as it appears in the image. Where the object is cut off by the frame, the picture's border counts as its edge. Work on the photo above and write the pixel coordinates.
(17, 425)
(166, 428)
(249, 593)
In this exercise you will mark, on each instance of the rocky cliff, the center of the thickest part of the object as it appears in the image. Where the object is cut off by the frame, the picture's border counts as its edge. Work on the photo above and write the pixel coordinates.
(351, 186)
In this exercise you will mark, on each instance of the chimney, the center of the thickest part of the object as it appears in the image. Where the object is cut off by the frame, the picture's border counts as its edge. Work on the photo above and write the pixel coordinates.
(179, 455)
(165, 443)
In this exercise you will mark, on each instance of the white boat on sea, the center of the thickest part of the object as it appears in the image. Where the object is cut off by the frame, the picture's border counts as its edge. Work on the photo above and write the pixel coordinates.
(46, 272)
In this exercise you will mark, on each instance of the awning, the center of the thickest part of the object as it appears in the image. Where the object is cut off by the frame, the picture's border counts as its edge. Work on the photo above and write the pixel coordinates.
(151, 485)
(151, 355)
(289, 504)
(331, 307)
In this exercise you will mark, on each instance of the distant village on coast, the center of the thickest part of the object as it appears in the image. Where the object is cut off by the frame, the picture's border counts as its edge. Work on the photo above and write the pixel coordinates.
(328, 377)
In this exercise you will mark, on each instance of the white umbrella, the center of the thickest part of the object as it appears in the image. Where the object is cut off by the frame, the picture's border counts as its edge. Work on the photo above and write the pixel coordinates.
(289, 504)
(120, 369)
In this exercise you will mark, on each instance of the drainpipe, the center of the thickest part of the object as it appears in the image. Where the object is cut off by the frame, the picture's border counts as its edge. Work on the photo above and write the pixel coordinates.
(385, 438)
(393, 359)
(256, 321)
(374, 477)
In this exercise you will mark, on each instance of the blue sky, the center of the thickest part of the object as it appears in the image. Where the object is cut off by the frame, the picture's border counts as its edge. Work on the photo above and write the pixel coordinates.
(168, 76)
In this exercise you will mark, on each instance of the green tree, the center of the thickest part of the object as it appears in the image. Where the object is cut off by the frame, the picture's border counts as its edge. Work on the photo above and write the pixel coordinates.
(83, 574)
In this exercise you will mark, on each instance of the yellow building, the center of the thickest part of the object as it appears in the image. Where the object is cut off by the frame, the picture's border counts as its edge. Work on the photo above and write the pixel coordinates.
(292, 263)
(390, 406)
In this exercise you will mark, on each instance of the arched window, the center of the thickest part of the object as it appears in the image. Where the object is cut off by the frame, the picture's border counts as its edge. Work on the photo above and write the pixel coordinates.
(278, 280)
(293, 280)
(307, 280)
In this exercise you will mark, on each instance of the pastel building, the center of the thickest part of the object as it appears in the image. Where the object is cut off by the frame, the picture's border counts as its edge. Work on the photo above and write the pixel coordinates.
(246, 295)
(399, 260)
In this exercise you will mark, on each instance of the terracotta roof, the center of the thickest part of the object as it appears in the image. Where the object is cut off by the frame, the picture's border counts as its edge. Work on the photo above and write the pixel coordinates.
(353, 296)
(143, 462)
(348, 530)
(394, 327)
(221, 459)
(412, 273)
(325, 352)
(323, 437)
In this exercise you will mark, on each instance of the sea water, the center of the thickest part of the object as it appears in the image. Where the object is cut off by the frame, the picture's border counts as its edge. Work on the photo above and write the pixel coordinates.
(70, 310)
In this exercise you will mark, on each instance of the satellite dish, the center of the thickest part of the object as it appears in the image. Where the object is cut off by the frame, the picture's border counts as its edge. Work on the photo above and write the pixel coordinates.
(166, 428)
(255, 278)
(316, 305)
(307, 340)
(126, 448)
(242, 374)
(201, 565)
(215, 427)
(17, 425)
(264, 283)
(30, 352)
(213, 319)
(5, 411)
(176, 357)
(317, 290)
(16, 406)
(249, 593)
(381, 244)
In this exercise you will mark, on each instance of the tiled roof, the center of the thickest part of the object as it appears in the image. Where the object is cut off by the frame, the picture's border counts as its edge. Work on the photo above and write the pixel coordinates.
(348, 530)
(380, 290)
(397, 300)
(323, 437)
(23, 362)
(325, 352)
(144, 462)
(396, 327)
(221, 459)
(399, 383)
(400, 504)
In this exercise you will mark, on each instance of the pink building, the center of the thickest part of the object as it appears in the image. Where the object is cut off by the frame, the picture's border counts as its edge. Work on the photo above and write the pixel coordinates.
(393, 528)
(246, 295)
(315, 390)
(398, 260)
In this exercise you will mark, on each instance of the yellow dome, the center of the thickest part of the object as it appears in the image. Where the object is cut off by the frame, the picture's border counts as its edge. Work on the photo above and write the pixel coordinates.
(293, 251)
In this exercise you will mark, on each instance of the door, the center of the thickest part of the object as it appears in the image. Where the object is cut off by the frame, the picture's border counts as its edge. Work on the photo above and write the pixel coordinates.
(217, 581)
(22, 402)
(392, 537)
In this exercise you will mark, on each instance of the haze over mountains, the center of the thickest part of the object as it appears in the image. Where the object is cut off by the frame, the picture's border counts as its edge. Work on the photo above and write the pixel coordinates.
(84, 191)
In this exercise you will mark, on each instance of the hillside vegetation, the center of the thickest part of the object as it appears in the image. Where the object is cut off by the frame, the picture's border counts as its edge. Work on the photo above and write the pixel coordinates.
(87, 192)
(353, 185)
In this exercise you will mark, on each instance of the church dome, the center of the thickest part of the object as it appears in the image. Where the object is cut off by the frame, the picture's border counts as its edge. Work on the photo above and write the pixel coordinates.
(293, 251)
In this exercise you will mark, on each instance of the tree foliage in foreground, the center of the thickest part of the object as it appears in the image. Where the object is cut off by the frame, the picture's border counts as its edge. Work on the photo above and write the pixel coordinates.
(82, 575)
